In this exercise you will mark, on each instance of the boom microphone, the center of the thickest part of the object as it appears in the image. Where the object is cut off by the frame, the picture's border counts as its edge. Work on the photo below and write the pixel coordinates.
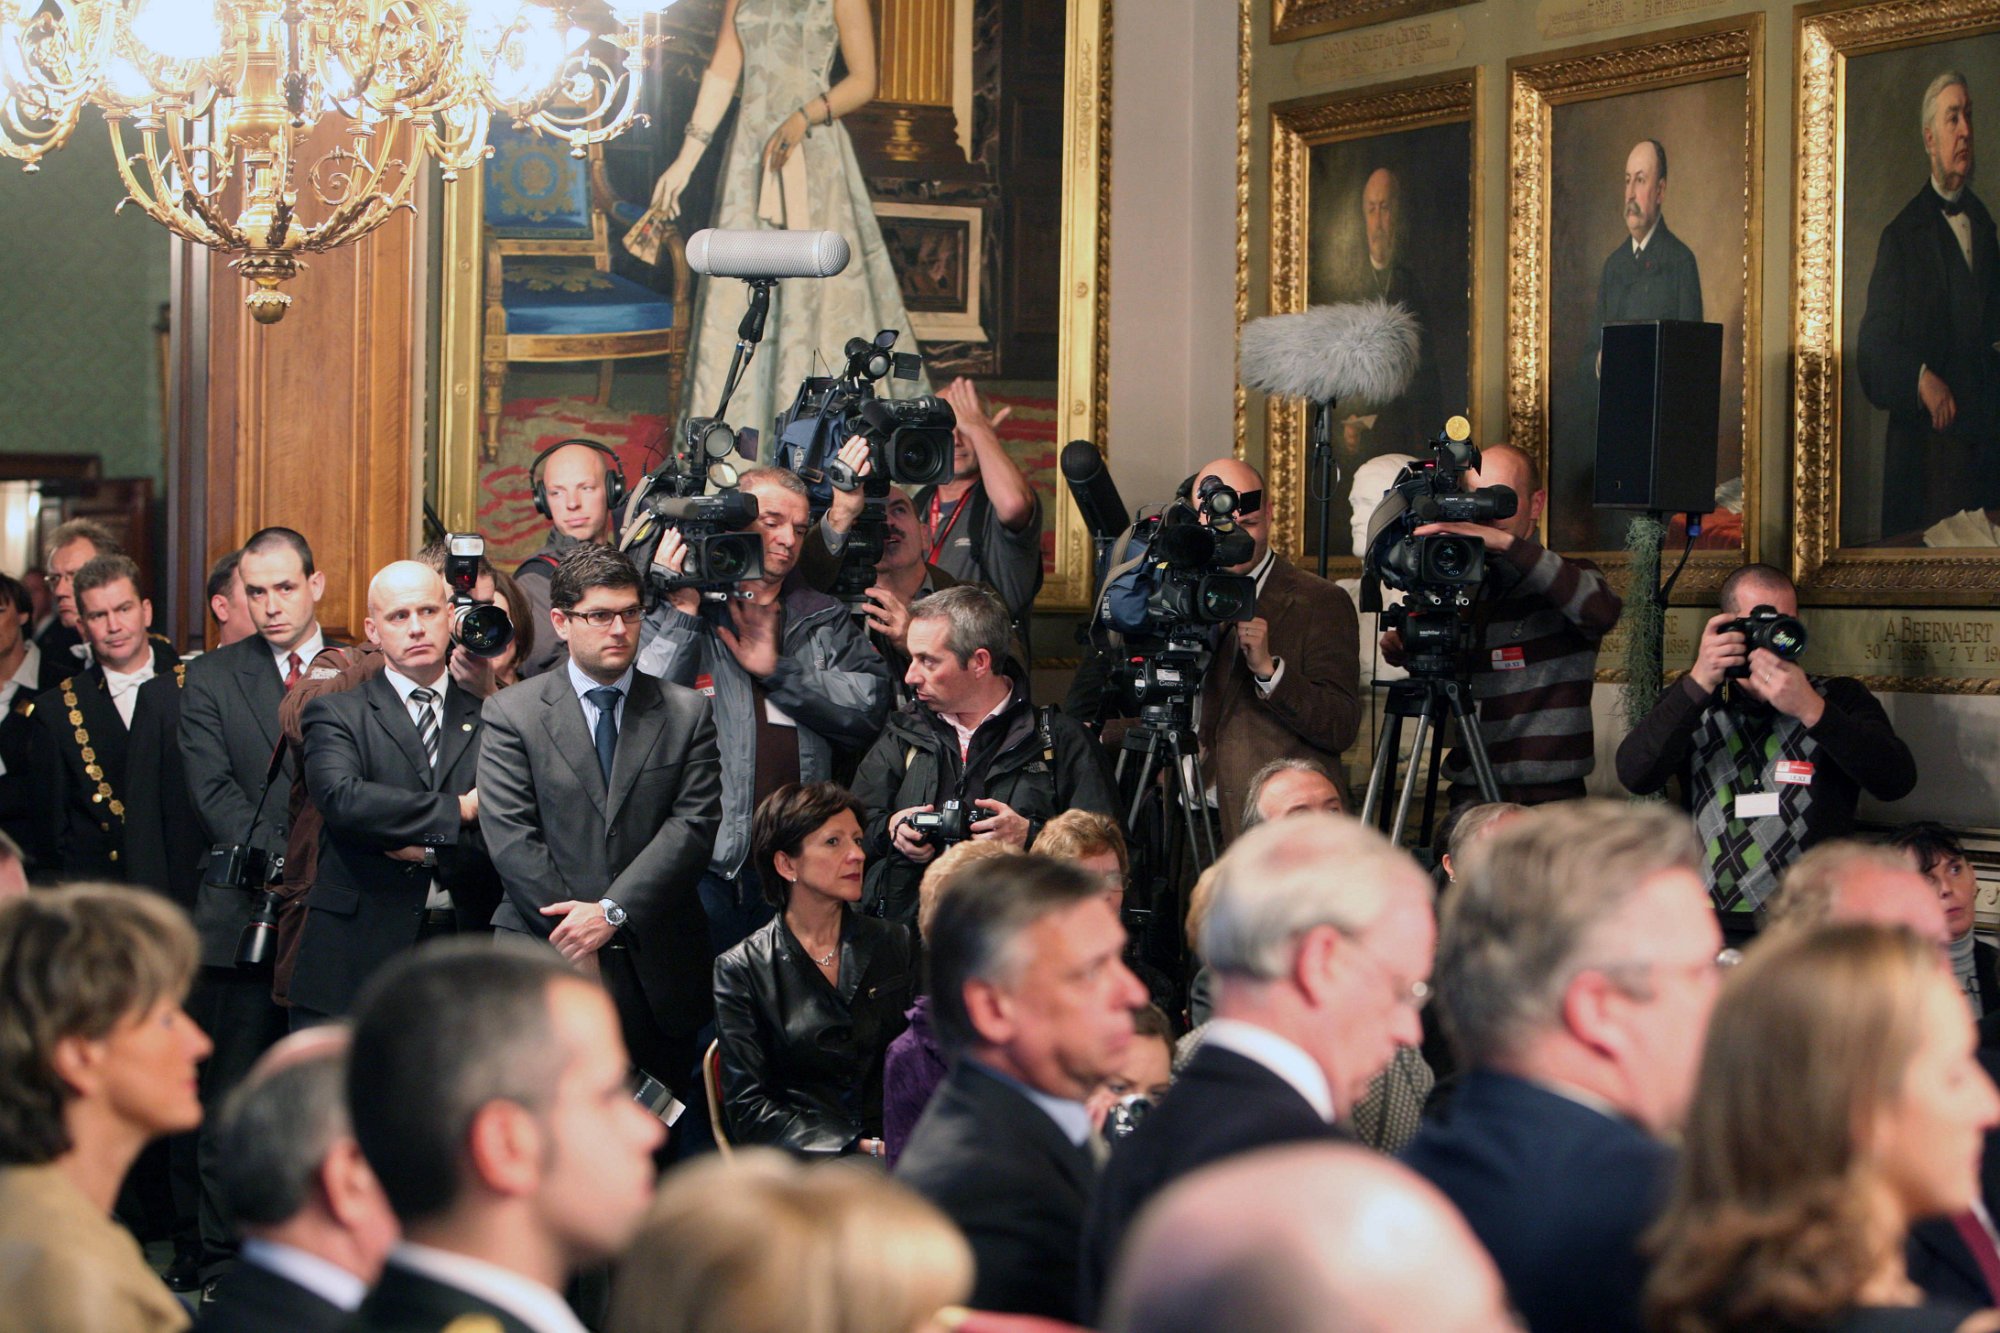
(1364, 349)
(764, 254)
(1096, 495)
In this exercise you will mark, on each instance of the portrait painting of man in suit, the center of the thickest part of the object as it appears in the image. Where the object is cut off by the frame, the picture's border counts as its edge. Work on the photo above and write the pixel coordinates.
(1920, 447)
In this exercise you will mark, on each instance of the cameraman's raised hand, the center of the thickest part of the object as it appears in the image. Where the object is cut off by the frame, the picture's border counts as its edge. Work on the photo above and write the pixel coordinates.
(1005, 824)
(673, 556)
(906, 839)
(1496, 539)
(755, 640)
(847, 505)
(1719, 651)
(1253, 636)
(472, 674)
(889, 616)
(1391, 644)
(1784, 686)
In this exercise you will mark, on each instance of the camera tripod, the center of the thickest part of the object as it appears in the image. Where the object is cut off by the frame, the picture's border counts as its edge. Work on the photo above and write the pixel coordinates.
(1435, 691)
(1168, 852)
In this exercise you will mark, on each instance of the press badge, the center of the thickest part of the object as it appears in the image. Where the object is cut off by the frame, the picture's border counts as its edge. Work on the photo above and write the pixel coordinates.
(1510, 658)
(1797, 772)
(705, 683)
(1756, 804)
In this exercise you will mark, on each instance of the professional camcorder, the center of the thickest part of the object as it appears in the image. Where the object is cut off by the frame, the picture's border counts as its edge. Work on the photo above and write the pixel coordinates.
(481, 628)
(1768, 628)
(1192, 584)
(1440, 573)
(721, 553)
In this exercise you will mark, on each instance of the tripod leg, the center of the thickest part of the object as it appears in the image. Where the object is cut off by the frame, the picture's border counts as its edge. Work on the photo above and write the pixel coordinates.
(1194, 805)
(1410, 776)
(1384, 771)
(1431, 784)
(1475, 745)
(1147, 768)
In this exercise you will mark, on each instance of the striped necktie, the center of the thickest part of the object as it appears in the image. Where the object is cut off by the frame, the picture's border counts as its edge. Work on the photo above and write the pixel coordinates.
(427, 721)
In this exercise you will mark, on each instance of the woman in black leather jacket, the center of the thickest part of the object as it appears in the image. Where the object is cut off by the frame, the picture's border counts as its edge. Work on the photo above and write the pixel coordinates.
(806, 1007)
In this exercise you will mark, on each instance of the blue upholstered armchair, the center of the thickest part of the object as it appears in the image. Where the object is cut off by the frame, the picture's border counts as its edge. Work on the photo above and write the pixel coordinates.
(550, 291)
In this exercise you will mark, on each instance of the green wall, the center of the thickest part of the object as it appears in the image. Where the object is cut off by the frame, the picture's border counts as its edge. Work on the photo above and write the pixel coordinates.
(80, 293)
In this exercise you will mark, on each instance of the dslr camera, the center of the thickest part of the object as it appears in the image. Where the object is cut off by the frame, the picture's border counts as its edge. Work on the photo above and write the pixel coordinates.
(247, 869)
(1768, 628)
(481, 628)
(941, 828)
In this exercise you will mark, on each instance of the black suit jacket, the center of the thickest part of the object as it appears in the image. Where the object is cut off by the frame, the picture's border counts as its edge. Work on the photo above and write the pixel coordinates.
(1661, 282)
(80, 835)
(253, 1299)
(408, 1302)
(557, 831)
(377, 791)
(1222, 1104)
(1557, 1193)
(1004, 1173)
(228, 732)
(164, 847)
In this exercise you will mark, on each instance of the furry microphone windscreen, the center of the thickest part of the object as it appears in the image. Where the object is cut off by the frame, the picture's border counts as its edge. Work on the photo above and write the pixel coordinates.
(1364, 350)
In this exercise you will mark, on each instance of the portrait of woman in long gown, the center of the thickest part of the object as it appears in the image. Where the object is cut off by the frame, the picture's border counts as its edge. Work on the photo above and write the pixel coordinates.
(790, 164)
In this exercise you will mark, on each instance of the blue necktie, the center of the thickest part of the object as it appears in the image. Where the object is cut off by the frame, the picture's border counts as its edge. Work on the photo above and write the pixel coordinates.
(606, 698)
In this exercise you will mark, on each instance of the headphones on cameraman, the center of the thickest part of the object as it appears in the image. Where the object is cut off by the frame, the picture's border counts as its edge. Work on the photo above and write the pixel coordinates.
(614, 476)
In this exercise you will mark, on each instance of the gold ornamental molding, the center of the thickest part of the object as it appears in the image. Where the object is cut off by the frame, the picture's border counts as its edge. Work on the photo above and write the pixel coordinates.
(1826, 38)
(1297, 127)
(1724, 49)
(1293, 20)
(1245, 38)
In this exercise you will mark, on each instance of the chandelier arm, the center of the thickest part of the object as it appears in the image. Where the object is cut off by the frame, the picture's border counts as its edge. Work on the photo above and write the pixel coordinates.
(178, 223)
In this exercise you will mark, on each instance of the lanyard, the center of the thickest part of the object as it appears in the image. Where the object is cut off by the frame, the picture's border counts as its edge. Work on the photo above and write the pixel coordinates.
(937, 508)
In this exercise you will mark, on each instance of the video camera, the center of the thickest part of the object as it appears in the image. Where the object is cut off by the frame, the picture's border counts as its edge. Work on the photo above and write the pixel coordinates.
(910, 444)
(1440, 573)
(481, 628)
(720, 552)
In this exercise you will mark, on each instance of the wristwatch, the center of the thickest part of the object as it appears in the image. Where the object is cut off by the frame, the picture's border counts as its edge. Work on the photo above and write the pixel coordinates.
(614, 915)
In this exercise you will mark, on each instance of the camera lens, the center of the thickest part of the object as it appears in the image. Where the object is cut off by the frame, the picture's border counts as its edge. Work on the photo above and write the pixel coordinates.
(1451, 558)
(482, 630)
(1221, 601)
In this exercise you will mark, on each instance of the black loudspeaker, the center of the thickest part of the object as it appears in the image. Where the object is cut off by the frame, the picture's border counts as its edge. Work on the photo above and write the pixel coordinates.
(1659, 396)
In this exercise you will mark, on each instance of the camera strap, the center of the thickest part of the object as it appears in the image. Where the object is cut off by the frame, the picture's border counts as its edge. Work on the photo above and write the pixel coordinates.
(937, 509)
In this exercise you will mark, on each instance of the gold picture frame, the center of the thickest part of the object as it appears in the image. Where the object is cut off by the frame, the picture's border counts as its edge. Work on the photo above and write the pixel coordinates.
(1297, 127)
(1827, 571)
(1084, 313)
(1538, 85)
(1295, 20)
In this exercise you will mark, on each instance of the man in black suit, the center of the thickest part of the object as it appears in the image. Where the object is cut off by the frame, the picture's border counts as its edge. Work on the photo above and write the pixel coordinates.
(1318, 980)
(1029, 995)
(1927, 336)
(600, 792)
(79, 749)
(25, 671)
(1652, 274)
(70, 547)
(1578, 960)
(391, 767)
(487, 1088)
(228, 735)
(315, 1223)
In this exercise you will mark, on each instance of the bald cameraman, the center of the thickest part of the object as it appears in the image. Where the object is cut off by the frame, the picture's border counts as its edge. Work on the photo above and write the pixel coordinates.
(1771, 759)
(1535, 635)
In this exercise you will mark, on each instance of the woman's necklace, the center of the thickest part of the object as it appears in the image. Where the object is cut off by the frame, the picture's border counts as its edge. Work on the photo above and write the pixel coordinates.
(829, 956)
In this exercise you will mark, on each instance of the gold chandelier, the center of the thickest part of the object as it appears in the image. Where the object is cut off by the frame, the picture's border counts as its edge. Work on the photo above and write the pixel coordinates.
(211, 103)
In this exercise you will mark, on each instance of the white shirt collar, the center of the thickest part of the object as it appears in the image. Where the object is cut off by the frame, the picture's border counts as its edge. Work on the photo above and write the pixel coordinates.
(121, 682)
(583, 684)
(527, 1300)
(1283, 1058)
(307, 651)
(329, 1281)
(404, 686)
(26, 678)
(965, 734)
(1071, 1117)
(1264, 567)
(1949, 196)
(1639, 246)
(1583, 1097)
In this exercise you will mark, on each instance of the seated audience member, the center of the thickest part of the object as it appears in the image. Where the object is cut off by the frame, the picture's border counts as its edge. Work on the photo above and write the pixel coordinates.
(315, 1223)
(916, 1063)
(759, 1244)
(1941, 859)
(1839, 1101)
(1141, 1079)
(1318, 980)
(1096, 842)
(973, 737)
(1851, 881)
(1029, 995)
(1819, 742)
(806, 1007)
(487, 1086)
(1464, 827)
(1577, 962)
(1289, 787)
(98, 1060)
(1201, 1000)
(1320, 1238)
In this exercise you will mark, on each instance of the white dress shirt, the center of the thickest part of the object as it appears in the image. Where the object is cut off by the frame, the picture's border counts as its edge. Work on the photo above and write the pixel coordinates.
(124, 689)
(438, 899)
(583, 685)
(26, 677)
(1283, 1058)
(328, 1281)
(527, 1300)
(307, 651)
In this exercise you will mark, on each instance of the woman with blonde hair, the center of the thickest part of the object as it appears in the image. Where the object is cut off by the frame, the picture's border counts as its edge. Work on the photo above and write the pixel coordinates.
(763, 1244)
(1839, 1101)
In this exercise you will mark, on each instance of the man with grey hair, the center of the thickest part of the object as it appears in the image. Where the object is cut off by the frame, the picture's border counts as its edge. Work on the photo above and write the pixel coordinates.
(1577, 964)
(1846, 881)
(1029, 996)
(1928, 330)
(1311, 1238)
(1318, 980)
(972, 741)
(314, 1221)
(1289, 786)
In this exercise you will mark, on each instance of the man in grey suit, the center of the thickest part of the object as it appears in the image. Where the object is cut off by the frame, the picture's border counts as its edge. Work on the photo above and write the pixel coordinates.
(228, 734)
(600, 791)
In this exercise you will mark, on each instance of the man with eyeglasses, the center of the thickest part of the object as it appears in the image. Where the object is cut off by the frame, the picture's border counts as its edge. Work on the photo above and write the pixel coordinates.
(600, 790)
(1577, 964)
(1319, 979)
(1286, 683)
